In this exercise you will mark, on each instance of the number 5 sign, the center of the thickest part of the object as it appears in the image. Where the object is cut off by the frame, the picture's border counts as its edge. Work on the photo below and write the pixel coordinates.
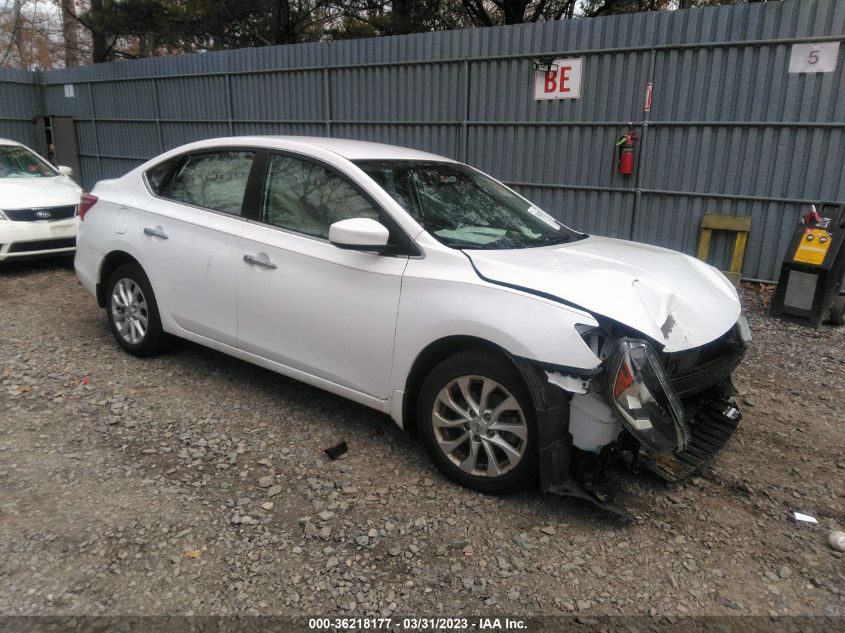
(814, 58)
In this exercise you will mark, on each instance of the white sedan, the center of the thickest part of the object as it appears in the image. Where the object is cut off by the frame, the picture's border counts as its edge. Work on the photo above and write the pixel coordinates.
(421, 287)
(38, 205)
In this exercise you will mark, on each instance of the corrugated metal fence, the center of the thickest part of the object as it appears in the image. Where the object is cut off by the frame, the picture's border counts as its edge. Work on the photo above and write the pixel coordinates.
(19, 103)
(730, 131)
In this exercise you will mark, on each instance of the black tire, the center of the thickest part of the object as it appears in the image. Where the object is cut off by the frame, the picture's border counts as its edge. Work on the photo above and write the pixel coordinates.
(480, 364)
(154, 339)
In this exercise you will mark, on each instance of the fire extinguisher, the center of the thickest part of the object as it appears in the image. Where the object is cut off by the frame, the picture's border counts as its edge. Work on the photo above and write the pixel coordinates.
(626, 152)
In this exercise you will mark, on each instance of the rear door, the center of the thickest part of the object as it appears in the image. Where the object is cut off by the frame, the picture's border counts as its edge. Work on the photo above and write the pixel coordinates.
(306, 303)
(190, 234)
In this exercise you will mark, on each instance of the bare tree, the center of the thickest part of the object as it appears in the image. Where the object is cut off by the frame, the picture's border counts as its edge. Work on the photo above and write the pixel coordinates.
(16, 37)
(70, 33)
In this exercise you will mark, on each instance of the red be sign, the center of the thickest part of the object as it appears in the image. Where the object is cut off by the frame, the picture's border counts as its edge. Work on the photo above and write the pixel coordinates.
(563, 83)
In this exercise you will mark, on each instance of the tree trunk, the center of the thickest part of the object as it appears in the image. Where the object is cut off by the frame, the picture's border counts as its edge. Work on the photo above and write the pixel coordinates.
(514, 11)
(402, 17)
(69, 33)
(99, 44)
(18, 38)
(144, 47)
(281, 31)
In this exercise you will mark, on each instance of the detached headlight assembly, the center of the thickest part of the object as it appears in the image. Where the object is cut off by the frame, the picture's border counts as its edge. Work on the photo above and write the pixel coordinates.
(642, 395)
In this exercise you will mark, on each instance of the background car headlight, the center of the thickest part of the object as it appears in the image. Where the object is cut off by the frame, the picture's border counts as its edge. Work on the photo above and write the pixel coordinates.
(642, 395)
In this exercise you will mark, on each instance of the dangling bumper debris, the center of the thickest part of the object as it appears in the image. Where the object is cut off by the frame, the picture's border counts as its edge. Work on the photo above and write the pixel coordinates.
(710, 429)
(675, 409)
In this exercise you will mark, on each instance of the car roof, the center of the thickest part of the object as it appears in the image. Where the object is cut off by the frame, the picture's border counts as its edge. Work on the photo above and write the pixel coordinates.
(347, 148)
(6, 141)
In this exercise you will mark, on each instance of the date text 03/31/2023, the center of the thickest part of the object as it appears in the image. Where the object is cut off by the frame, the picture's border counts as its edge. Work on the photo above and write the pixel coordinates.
(417, 624)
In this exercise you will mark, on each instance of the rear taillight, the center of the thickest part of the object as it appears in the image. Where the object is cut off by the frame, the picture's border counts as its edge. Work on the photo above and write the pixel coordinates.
(85, 203)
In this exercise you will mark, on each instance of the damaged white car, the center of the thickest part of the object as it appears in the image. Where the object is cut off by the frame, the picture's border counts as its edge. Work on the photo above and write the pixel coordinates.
(521, 349)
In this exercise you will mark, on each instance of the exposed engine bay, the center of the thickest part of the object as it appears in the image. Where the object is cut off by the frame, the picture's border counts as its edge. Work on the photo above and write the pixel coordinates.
(668, 412)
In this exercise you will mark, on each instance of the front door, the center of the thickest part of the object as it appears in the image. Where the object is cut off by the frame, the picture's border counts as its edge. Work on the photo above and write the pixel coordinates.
(308, 304)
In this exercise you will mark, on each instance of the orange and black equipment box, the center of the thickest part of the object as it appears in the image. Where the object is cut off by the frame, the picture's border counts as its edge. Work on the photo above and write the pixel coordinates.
(811, 274)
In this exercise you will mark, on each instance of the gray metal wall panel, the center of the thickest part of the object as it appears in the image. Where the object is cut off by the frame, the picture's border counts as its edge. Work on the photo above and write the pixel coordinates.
(426, 92)
(547, 154)
(767, 161)
(729, 132)
(278, 96)
(116, 167)
(19, 102)
(190, 98)
(78, 106)
(440, 139)
(124, 100)
(279, 129)
(115, 137)
(182, 132)
(20, 131)
(86, 138)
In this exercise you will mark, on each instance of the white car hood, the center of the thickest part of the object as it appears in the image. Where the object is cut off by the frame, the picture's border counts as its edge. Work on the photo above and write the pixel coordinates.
(28, 193)
(672, 298)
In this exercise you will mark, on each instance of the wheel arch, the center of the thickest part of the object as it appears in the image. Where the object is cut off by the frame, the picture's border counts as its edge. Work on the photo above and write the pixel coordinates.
(431, 356)
(110, 263)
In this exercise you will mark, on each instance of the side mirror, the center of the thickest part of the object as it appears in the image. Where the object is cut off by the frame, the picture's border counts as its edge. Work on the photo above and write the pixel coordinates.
(64, 170)
(362, 234)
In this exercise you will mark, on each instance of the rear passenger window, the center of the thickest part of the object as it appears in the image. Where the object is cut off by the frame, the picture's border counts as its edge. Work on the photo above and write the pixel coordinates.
(214, 181)
(157, 175)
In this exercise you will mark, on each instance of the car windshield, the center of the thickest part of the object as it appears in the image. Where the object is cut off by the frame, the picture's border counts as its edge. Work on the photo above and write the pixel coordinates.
(19, 162)
(463, 208)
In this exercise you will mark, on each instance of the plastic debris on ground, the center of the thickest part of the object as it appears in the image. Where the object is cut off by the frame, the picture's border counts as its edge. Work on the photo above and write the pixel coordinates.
(337, 450)
(804, 518)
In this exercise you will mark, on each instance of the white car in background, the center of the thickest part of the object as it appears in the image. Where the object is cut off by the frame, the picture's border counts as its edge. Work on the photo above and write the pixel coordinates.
(38, 205)
(423, 288)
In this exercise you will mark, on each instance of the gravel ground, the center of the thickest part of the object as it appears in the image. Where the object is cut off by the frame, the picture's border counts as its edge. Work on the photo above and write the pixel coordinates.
(194, 483)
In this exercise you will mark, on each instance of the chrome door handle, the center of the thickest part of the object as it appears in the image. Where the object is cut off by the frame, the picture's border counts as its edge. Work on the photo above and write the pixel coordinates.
(156, 232)
(264, 262)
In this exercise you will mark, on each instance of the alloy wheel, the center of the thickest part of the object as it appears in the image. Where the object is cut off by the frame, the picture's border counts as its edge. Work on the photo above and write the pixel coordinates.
(129, 311)
(480, 426)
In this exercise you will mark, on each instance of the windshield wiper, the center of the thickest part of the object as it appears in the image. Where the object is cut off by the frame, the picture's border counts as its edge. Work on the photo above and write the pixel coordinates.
(557, 239)
(473, 247)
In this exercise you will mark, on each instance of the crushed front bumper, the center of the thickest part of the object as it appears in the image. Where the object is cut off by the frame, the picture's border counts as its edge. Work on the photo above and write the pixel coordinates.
(701, 378)
(710, 428)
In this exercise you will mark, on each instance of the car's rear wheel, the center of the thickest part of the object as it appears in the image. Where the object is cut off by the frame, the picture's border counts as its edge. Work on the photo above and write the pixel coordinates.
(477, 422)
(133, 312)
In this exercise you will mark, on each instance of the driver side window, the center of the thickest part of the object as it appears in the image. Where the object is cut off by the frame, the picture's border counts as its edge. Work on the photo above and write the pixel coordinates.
(305, 197)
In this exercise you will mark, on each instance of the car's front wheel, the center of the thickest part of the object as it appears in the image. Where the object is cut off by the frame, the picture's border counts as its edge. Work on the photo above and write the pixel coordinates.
(477, 422)
(133, 312)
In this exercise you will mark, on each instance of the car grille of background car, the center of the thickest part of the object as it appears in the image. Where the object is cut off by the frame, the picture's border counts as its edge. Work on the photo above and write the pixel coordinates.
(45, 214)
